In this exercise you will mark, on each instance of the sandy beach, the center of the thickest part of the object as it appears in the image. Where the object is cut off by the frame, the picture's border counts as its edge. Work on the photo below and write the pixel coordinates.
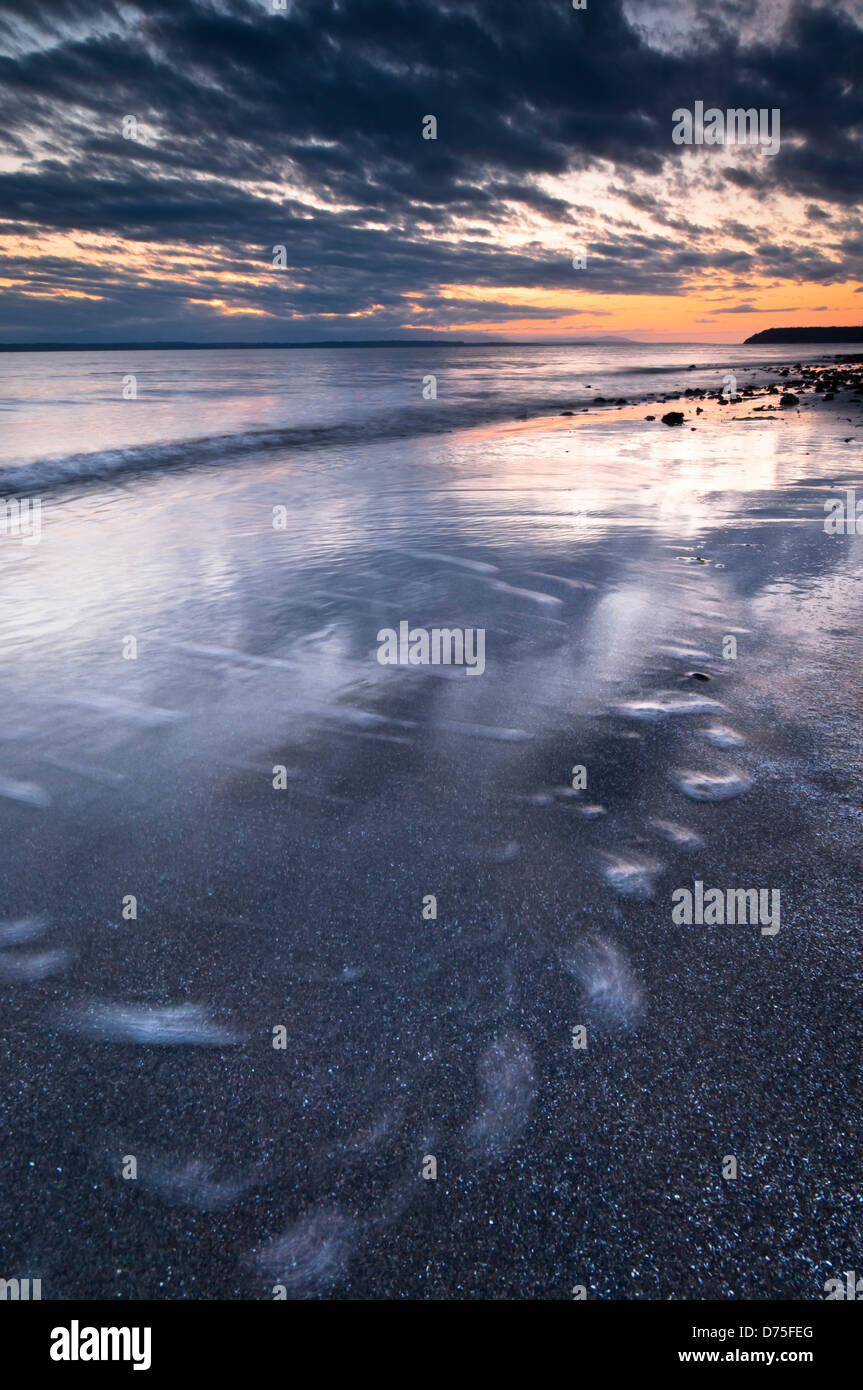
(608, 558)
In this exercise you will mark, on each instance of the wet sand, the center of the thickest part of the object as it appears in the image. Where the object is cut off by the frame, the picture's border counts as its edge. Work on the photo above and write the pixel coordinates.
(609, 558)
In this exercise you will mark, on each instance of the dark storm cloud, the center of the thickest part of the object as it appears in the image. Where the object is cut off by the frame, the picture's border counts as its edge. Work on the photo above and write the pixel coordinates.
(303, 127)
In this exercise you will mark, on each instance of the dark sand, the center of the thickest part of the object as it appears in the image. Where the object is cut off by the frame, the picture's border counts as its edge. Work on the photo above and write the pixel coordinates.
(302, 907)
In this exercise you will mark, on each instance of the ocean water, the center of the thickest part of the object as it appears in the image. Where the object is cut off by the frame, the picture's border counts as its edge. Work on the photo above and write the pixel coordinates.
(66, 412)
(169, 653)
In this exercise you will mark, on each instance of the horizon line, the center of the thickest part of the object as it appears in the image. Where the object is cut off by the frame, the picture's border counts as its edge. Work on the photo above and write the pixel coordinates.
(181, 344)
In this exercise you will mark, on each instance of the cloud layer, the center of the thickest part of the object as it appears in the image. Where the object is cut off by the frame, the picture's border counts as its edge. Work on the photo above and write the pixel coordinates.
(303, 127)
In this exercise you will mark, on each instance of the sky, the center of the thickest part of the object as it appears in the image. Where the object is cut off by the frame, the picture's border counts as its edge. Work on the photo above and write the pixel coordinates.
(153, 155)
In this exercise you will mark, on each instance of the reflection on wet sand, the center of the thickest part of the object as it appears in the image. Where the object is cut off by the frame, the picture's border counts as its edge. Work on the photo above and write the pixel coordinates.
(281, 805)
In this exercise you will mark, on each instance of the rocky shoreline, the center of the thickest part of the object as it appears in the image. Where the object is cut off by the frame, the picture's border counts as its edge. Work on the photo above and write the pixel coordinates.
(806, 384)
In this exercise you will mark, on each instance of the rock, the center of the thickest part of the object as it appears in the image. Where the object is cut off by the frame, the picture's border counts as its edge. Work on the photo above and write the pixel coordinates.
(650, 417)
(789, 398)
(673, 417)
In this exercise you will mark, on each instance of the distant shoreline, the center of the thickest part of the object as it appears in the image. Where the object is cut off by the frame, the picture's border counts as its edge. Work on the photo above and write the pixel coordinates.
(804, 336)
